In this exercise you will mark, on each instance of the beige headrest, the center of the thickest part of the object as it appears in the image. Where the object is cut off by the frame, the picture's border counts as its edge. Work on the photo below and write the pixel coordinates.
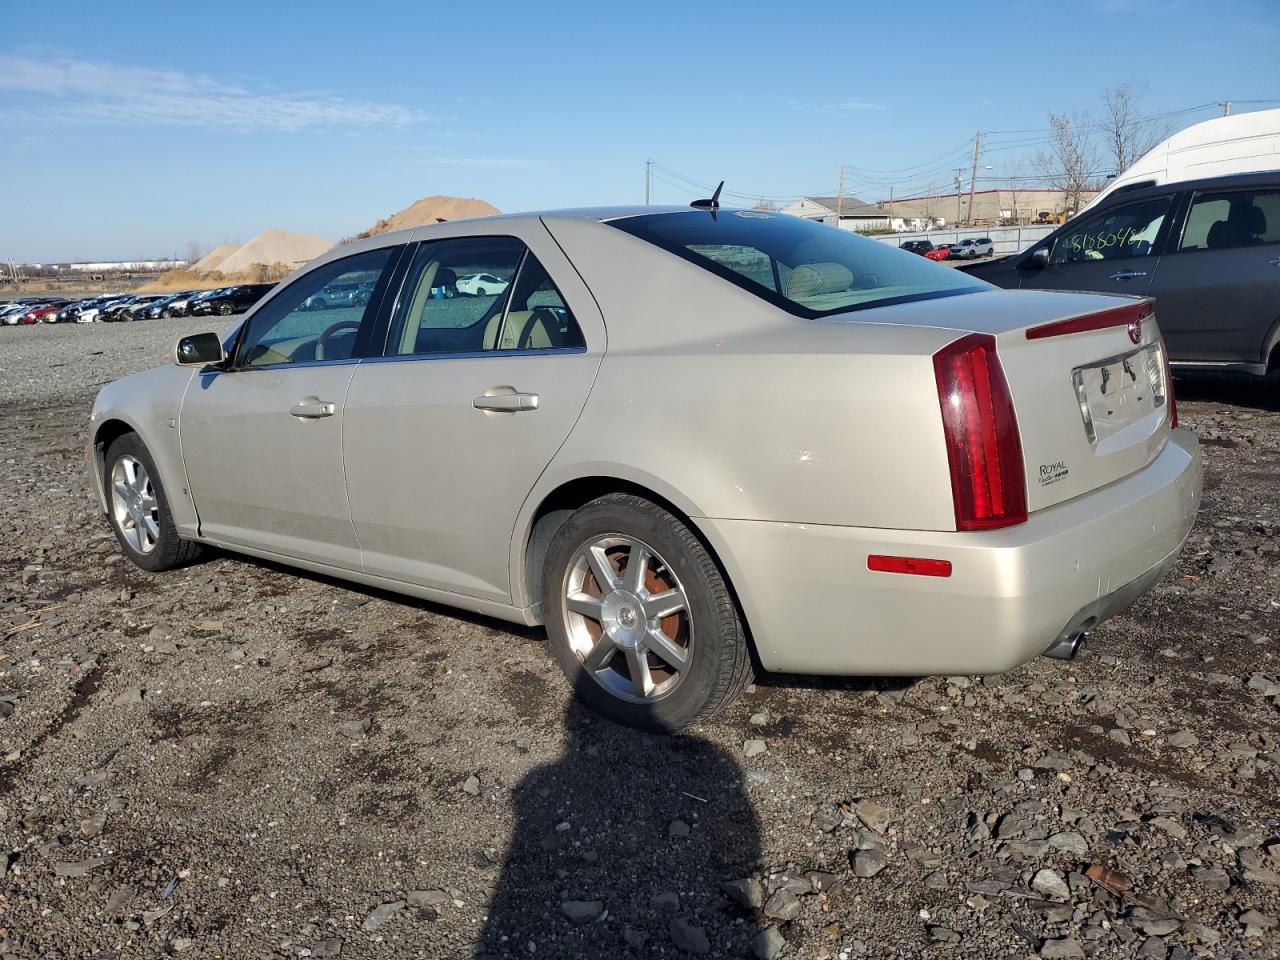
(813, 279)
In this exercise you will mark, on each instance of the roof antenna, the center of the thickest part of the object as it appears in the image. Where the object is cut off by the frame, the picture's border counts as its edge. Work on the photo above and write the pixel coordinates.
(712, 204)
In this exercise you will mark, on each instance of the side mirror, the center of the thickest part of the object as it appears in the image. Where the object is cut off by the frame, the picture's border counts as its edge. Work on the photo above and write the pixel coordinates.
(199, 350)
(1039, 258)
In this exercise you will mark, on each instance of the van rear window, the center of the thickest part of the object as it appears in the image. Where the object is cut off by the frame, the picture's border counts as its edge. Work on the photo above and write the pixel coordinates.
(806, 268)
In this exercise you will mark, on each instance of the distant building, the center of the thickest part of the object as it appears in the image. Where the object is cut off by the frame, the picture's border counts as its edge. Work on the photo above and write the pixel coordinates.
(120, 266)
(990, 207)
(852, 213)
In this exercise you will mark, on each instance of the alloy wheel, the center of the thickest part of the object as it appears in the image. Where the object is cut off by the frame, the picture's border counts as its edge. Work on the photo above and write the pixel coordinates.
(627, 617)
(134, 507)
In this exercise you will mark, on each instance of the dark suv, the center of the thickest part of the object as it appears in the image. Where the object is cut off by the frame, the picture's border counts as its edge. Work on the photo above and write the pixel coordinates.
(920, 247)
(233, 299)
(1207, 250)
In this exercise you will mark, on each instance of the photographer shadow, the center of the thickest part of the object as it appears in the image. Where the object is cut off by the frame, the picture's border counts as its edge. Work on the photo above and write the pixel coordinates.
(620, 848)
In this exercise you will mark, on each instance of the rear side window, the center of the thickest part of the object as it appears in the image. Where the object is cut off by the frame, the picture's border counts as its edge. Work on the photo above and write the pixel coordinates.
(1224, 220)
(454, 296)
(807, 268)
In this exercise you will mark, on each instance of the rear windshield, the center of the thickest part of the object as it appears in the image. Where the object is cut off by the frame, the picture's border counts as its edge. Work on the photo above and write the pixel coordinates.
(807, 268)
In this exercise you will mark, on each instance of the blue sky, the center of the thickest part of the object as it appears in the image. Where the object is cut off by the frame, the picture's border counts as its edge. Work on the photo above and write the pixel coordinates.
(130, 130)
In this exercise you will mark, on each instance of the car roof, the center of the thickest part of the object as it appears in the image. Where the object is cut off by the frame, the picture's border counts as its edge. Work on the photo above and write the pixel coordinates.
(1266, 178)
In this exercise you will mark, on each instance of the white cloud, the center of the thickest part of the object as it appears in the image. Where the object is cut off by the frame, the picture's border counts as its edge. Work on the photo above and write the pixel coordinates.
(113, 94)
(478, 161)
(841, 106)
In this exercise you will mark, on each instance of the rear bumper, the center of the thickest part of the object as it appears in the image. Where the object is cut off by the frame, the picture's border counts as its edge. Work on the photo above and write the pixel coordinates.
(814, 607)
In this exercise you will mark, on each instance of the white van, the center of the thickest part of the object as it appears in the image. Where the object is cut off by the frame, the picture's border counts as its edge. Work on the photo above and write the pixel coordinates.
(1241, 143)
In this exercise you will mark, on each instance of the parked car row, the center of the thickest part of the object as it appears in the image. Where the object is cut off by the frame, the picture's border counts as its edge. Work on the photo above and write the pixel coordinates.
(109, 308)
(969, 249)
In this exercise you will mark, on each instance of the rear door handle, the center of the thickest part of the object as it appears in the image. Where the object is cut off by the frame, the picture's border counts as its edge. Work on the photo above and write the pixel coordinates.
(313, 409)
(1128, 275)
(506, 402)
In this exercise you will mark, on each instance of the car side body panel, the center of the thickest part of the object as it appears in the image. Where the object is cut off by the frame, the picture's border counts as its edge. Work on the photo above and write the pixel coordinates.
(148, 403)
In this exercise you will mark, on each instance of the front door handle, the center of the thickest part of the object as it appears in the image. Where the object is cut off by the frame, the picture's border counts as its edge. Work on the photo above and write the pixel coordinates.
(1128, 275)
(313, 409)
(507, 402)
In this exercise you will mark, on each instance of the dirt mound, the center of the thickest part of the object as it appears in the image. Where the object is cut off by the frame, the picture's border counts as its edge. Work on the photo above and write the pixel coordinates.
(213, 259)
(430, 210)
(275, 246)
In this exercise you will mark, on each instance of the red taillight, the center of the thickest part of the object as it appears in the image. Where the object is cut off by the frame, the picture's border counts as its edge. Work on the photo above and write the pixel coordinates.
(919, 566)
(1168, 386)
(988, 482)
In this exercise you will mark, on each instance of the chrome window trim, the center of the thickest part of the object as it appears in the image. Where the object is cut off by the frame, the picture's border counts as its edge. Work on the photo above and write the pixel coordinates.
(473, 355)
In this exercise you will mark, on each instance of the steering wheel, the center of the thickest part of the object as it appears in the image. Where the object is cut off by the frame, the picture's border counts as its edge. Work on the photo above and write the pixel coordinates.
(330, 331)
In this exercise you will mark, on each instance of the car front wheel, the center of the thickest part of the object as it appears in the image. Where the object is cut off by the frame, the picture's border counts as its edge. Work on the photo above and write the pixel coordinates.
(138, 508)
(640, 618)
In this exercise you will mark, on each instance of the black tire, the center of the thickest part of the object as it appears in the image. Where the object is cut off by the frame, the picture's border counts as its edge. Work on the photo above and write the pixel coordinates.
(479, 291)
(165, 314)
(170, 550)
(720, 662)
(224, 309)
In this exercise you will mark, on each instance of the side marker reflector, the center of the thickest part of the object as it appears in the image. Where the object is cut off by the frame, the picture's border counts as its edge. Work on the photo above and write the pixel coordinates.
(917, 566)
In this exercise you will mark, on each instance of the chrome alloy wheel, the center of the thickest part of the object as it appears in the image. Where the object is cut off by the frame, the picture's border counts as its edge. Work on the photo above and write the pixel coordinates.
(627, 618)
(133, 504)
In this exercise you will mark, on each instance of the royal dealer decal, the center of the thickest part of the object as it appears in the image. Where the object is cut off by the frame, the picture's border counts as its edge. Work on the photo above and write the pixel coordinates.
(1052, 472)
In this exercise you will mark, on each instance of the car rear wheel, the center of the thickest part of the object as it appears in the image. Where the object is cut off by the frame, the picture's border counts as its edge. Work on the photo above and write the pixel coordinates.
(138, 508)
(224, 309)
(640, 618)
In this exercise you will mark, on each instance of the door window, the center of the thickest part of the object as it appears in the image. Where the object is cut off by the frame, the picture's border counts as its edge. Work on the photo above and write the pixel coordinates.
(1125, 231)
(318, 316)
(454, 296)
(537, 316)
(1223, 220)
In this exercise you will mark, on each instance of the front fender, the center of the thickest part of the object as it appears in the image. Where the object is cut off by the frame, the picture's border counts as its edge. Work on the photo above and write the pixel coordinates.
(147, 404)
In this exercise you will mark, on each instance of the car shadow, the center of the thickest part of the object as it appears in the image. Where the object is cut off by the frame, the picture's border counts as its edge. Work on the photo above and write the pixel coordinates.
(1233, 389)
(377, 593)
(620, 847)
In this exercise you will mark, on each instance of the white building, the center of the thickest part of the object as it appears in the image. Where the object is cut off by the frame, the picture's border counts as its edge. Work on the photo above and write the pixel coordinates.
(114, 266)
(853, 214)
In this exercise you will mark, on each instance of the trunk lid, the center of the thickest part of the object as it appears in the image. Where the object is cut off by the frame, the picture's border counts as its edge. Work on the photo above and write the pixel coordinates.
(1093, 404)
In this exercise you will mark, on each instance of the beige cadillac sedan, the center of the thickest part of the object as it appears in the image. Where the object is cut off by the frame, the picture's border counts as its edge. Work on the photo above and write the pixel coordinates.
(691, 442)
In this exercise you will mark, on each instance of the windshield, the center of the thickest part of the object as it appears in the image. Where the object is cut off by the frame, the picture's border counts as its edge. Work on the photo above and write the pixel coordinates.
(807, 268)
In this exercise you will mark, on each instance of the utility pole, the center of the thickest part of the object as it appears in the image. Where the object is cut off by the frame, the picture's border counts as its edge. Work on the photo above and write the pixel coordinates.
(840, 197)
(958, 182)
(973, 176)
(1226, 107)
(648, 181)
(890, 211)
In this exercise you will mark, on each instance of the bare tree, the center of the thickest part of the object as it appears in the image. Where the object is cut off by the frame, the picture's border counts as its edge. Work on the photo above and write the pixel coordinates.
(1017, 174)
(1067, 164)
(193, 251)
(1127, 133)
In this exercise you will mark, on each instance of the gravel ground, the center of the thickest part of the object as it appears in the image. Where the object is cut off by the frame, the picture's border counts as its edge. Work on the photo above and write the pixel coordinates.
(235, 760)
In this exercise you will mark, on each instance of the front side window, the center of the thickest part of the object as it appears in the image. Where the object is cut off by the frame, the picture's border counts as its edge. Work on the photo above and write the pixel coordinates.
(316, 318)
(806, 268)
(1224, 220)
(1125, 231)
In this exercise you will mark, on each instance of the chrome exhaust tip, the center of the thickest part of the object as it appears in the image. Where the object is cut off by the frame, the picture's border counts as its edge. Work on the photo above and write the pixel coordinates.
(1067, 647)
